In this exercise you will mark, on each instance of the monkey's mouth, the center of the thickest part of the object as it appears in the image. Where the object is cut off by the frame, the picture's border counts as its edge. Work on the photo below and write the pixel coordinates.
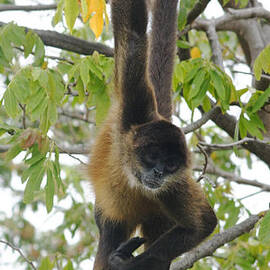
(152, 184)
(148, 180)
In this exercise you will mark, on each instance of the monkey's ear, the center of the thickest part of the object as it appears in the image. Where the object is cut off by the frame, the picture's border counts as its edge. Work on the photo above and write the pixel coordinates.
(124, 251)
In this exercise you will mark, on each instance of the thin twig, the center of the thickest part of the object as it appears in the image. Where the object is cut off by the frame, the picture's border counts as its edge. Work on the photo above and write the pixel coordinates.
(71, 155)
(76, 116)
(27, 8)
(205, 163)
(251, 73)
(49, 56)
(231, 145)
(251, 195)
(211, 169)
(20, 252)
(22, 106)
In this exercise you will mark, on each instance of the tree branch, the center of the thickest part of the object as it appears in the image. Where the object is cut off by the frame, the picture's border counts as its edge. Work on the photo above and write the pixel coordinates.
(20, 252)
(76, 117)
(197, 124)
(215, 45)
(71, 149)
(231, 145)
(208, 247)
(27, 8)
(211, 169)
(197, 10)
(245, 13)
(70, 43)
(228, 123)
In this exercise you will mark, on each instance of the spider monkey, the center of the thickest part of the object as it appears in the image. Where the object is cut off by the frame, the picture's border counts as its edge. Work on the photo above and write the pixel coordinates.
(140, 166)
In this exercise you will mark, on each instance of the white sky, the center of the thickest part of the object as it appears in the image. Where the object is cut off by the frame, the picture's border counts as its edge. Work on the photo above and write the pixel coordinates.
(41, 20)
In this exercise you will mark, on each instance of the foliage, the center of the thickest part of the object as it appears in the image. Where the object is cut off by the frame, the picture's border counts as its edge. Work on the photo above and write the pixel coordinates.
(51, 106)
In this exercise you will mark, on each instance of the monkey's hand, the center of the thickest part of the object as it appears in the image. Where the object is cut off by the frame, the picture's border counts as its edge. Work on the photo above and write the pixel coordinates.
(124, 252)
(122, 258)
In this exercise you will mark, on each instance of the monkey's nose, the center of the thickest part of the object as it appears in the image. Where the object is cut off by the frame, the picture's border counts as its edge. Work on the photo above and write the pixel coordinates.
(158, 172)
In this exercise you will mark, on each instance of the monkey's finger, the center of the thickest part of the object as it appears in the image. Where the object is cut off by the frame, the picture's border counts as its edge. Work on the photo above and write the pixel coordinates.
(131, 245)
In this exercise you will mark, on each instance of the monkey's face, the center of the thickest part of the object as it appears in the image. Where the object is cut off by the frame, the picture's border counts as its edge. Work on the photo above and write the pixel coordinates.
(160, 152)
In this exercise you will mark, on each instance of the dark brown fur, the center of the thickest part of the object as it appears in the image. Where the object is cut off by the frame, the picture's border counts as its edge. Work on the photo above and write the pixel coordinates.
(175, 217)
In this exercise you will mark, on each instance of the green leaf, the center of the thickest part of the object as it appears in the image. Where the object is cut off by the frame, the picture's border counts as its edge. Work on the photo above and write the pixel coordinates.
(7, 128)
(80, 88)
(38, 111)
(52, 112)
(36, 164)
(197, 100)
(13, 152)
(196, 84)
(71, 13)
(33, 183)
(3, 60)
(261, 100)
(44, 121)
(251, 127)
(17, 35)
(257, 120)
(95, 68)
(43, 78)
(182, 17)
(192, 73)
(20, 85)
(10, 103)
(262, 62)
(218, 84)
(35, 99)
(69, 266)
(183, 44)
(102, 106)
(36, 71)
(84, 72)
(264, 232)
(29, 43)
(58, 85)
(5, 44)
(64, 67)
(242, 127)
(206, 104)
(51, 87)
(49, 189)
(58, 13)
(46, 264)
(37, 157)
(39, 52)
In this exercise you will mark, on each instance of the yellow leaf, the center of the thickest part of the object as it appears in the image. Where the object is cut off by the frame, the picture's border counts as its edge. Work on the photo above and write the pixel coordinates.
(195, 53)
(96, 24)
(96, 8)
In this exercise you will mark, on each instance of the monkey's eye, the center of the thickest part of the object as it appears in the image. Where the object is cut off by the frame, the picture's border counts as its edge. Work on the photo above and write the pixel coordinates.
(171, 166)
(151, 157)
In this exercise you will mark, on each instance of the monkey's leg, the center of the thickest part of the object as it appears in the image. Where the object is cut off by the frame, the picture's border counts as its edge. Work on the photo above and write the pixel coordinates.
(154, 227)
(112, 234)
(186, 204)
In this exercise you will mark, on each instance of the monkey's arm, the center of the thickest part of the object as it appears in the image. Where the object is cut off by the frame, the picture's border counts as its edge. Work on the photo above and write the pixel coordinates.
(112, 234)
(162, 52)
(136, 96)
(194, 218)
